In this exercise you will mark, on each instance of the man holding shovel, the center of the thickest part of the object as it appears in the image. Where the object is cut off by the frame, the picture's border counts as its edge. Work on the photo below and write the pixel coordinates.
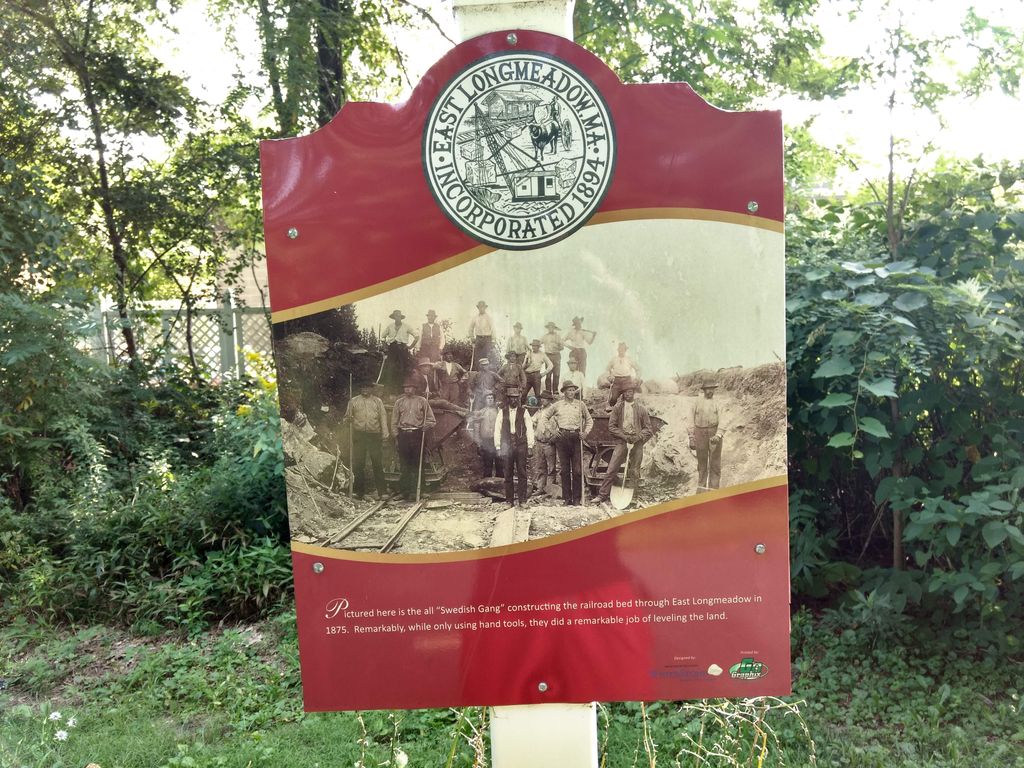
(369, 424)
(411, 419)
(573, 422)
(706, 438)
(630, 424)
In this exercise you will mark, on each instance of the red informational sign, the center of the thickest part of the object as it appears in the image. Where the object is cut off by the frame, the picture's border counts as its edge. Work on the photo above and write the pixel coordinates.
(530, 336)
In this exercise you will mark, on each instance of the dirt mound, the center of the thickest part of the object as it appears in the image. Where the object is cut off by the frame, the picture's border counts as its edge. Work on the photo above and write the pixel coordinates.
(752, 409)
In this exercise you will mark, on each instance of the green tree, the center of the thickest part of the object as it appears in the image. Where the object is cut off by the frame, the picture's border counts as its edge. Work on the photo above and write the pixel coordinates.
(732, 54)
(315, 56)
(906, 384)
(90, 61)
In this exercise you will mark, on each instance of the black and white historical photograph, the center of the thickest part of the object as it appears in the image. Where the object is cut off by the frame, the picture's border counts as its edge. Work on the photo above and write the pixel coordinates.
(520, 395)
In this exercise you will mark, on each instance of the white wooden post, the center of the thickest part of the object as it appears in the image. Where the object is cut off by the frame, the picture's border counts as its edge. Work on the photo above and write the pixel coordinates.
(540, 735)
(226, 325)
(477, 17)
(99, 346)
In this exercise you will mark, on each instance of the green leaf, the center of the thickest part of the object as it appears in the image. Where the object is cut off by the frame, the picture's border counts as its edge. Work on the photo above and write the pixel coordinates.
(836, 366)
(859, 282)
(903, 321)
(901, 267)
(880, 387)
(872, 299)
(844, 338)
(913, 530)
(841, 440)
(953, 535)
(873, 427)
(908, 302)
(834, 295)
(884, 490)
(856, 267)
(994, 533)
(960, 593)
(836, 400)
(985, 219)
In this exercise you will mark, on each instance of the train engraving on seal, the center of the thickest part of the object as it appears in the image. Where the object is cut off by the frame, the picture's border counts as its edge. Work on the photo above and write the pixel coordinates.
(519, 150)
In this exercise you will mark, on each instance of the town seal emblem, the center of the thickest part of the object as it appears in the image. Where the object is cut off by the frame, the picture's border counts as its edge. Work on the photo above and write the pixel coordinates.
(519, 150)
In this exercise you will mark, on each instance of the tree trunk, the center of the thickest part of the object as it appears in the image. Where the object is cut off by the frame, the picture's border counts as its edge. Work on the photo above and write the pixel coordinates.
(897, 514)
(78, 61)
(267, 32)
(329, 58)
(189, 314)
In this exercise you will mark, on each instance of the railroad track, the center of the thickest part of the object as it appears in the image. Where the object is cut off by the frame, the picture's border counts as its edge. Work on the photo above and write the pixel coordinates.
(378, 528)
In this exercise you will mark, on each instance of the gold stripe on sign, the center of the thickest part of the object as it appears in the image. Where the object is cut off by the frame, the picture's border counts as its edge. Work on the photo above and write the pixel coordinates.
(548, 541)
(377, 288)
(610, 217)
(693, 214)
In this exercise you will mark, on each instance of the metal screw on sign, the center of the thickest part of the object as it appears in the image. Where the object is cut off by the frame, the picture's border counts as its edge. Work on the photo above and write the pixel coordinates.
(293, 233)
(752, 206)
(318, 567)
(542, 687)
(512, 38)
(760, 549)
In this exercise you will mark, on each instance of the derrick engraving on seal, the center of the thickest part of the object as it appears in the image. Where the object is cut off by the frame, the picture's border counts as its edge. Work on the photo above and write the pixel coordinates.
(519, 150)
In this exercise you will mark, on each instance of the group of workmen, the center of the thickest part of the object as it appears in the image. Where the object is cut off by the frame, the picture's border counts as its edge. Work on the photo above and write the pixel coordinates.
(539, 361)
(522, 409)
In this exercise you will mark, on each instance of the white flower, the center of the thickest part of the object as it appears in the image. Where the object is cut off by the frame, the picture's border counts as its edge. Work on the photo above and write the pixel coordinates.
(54, 716)
(72, 722)
(401, 759)
(61, 735)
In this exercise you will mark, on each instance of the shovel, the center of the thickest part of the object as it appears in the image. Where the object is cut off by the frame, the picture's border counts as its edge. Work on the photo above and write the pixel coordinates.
(621, 496)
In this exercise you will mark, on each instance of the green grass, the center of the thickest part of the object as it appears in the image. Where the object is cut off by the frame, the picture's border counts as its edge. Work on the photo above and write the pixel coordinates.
(915, 698)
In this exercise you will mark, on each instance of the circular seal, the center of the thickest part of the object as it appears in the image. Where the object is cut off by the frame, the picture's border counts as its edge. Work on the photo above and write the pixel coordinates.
(519, 150)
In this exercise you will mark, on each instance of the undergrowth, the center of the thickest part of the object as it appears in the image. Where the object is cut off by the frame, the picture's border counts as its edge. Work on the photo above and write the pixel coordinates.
(903, 698)
(176, 520)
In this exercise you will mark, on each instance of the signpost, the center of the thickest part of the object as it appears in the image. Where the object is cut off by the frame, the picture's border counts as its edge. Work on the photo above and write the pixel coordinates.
(522, 171)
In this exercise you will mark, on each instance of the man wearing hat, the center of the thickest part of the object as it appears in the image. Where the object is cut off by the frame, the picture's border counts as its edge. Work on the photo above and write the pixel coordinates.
(536, 367)
(369, 424)
(573, 422)
(432, 338)
(511, 374)
(513, 440)
(706, 438)
(621, 371)
(517, 343)
(577, 340)
(423, 378)
(576, 377)
(483, 382)
(411, 419)
(630, 424)
(398, 339)
(546, 454)
(481, 429)
(449, 375)
(552, 344)
(481, 331)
